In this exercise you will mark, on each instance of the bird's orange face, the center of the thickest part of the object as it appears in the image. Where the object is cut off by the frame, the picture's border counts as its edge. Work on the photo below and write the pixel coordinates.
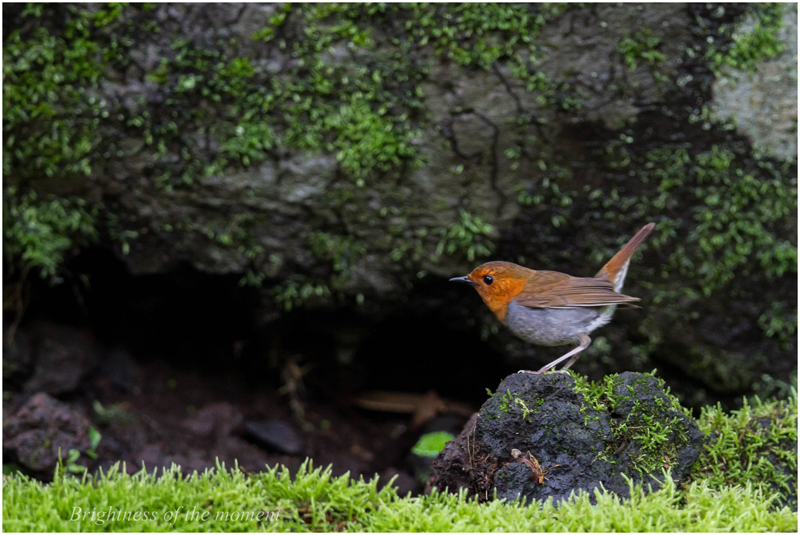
(498, 283)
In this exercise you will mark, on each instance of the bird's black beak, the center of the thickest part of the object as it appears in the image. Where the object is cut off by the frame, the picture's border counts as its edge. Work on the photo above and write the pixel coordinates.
(463, 279)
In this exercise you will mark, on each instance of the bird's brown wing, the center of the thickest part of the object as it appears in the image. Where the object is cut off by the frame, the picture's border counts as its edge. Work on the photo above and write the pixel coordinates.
(550, 289)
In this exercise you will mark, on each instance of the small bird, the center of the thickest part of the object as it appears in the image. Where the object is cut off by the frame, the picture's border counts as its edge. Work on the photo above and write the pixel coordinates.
(549, 308)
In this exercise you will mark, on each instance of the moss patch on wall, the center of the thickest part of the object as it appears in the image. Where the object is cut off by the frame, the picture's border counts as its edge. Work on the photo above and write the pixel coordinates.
(50, 126)
(756, 40)
(223, 110)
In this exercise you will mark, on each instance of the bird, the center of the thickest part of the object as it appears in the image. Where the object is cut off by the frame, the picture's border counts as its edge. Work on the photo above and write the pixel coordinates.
(549, 308)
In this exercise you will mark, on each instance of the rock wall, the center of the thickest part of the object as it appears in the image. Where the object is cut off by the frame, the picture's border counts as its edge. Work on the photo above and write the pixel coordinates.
(342, 155)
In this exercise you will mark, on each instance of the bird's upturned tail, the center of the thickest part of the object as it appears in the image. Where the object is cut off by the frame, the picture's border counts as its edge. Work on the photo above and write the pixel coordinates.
(616, 268)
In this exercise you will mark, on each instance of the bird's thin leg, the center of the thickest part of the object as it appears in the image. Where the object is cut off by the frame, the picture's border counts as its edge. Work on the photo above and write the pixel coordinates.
(575, 353)
(584, 344)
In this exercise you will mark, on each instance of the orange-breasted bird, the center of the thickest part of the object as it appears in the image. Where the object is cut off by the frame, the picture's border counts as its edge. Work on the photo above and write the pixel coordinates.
(548, 308)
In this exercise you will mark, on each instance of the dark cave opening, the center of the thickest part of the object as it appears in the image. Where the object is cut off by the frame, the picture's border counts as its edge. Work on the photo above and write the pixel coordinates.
(209, 325)
(200, 357)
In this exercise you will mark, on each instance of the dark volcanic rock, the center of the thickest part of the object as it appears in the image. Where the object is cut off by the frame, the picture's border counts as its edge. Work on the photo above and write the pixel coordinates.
(34, 435)
(569, 438)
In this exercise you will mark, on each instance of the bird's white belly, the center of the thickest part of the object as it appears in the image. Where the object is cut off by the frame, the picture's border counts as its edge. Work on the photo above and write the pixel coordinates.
(555, 326)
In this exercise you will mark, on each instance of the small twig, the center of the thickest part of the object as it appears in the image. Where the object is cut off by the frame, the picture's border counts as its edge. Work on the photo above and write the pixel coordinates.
(744, 430)
(292, 375)
(471, 450)
(537, 472)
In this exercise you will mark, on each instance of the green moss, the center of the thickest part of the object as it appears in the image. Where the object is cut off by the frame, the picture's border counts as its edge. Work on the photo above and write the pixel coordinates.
(115, 413)
(52, 113)
(49, 82)
(597, 395)
(640, 47)
(469, 236)
(757, 43)
(482, 34)
(657, 428)
(339, 254)
(780, 321)
(742, 206)
(549, 195)
(299, 290)
(38, 233)
(351, 111)
(756, 444)
(312, 500)
(523, 406)
(513, 406)
(341, 251)
(236, 234)
(505, 401)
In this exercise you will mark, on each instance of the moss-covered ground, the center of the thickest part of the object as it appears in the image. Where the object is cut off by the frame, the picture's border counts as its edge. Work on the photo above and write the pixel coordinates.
(757, 444)
(312, 500)
(745, 480)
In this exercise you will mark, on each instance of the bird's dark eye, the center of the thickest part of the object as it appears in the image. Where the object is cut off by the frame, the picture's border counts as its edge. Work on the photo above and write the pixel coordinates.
(488, 279)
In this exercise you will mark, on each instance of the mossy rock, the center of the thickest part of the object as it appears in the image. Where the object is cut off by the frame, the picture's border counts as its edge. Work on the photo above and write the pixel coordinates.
(542, 436)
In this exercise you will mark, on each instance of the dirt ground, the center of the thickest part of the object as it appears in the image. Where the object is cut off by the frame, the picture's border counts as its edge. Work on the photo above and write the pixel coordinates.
(154, 413)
